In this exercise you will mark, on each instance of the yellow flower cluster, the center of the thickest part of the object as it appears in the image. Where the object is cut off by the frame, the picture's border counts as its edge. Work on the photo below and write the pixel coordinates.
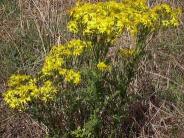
(72, 76)
(18, 79)
(47, 92)
(55, 61)
(23, 89)
(166, 15)
(111, 18)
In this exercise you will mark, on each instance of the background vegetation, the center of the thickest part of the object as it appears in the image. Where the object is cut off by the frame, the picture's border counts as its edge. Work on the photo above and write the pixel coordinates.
(30, 28)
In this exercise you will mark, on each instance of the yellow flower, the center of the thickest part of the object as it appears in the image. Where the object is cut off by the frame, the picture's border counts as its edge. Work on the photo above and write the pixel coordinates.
(20, 95)
(52, 64)
(102, 66)
(59, 53)
(73, 27)
(72, 76)
(62, 71)
(111, 17)
(47, 92)
(18, 79)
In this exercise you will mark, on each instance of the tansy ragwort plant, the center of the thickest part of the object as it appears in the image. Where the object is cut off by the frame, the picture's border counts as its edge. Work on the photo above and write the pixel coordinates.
(80, 76)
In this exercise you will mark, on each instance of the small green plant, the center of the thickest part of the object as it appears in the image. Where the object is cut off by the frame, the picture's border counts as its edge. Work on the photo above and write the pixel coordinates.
(79, 82)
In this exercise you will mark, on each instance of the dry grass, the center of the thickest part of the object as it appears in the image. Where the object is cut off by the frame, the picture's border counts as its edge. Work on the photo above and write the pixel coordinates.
(28, 29)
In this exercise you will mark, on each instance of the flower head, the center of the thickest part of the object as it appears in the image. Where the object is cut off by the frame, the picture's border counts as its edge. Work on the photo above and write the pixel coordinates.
(102, 66)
